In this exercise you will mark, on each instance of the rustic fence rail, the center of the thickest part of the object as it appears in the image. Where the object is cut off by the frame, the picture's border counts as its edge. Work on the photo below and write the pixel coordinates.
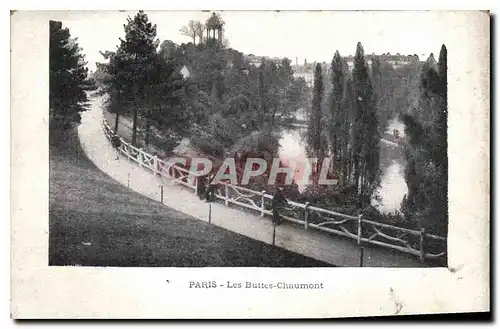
(362, 230)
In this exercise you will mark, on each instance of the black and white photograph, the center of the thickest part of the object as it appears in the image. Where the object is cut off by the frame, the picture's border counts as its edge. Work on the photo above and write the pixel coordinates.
(244, 129)
(256, 141)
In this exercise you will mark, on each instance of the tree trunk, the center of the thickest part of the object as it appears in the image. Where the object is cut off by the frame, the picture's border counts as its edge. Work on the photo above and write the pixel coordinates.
(355, 160)
(362, 187)
(262, 100)
(272, 120)
(134, 127)
(117, 120)
(335, 147)
(147, 130)
(345, 163)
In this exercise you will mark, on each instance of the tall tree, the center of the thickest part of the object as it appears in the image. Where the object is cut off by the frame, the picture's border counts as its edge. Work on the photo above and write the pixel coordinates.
(285, 72)
(341, 106)
(337, 95)
(193, 30)
(138, 51)
(165, 105)
(379, 90)
(275, 94)
(117, 84)
(426, 150)
(366, 156)
(68, 78)
(314, 130)
(442, 121)
(348, 130)
(147, 83)
(441, 152)
(263, 91)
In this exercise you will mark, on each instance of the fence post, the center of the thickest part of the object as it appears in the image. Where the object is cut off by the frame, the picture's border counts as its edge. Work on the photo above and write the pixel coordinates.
(262, 204)
(139, 157)
(422, 245)
(226, 195)
(129, 155)
(195, 184)
(274, 232)
(306, 215)
(128, 180)
(209, 213)
(161, 193)
(360, 235)
(155, 165)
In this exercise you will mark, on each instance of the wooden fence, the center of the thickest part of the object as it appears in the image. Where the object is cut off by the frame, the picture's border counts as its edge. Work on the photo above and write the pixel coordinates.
(414, 242)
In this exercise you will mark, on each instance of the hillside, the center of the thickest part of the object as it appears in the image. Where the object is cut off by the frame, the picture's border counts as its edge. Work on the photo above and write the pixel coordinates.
(95, 221)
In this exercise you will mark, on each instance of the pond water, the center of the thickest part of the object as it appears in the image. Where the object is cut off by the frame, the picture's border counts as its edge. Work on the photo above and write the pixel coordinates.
(392, 187)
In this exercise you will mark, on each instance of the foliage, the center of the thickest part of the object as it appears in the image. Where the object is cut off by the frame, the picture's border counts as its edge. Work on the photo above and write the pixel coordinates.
(207, 144)
(426, 151)
(315, 137)
(396, 88)
(243, 98)
(193, 30)
(340, 116)
(257, 144)
(366, 136)
(142, 83)
(69, 81)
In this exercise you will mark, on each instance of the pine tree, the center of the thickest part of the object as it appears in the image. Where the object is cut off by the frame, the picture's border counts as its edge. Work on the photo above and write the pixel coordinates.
(117, 85)
(165, 105)
(138, 51)
(314, 130)
(68, 78)
(340, 105)
(335, 105)
(442, 121)
(263, 91)
(275, 94)
(345, 119)
(348, 130)
(426, 150)
(145, 83)
(380, 89)
(366, 156)
(440, 155)
(285, 72)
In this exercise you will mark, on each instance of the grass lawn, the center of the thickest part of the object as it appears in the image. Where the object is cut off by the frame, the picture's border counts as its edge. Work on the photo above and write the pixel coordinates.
(95, 221)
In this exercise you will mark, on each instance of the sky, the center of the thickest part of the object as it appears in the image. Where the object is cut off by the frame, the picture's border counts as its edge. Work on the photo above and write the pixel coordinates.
(314, 36)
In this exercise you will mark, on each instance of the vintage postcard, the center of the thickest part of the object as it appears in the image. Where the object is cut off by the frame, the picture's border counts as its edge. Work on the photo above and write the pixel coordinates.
(249, 164)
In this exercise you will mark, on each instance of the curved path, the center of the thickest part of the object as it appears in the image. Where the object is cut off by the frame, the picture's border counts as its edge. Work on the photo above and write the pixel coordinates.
(334, 250)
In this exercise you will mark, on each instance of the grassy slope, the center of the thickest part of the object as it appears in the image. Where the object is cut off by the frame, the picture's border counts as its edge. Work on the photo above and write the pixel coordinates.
(127, 229)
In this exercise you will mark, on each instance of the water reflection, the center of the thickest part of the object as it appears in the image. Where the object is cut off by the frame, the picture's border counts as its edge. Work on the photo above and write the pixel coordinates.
(392, 164)
(392, 186)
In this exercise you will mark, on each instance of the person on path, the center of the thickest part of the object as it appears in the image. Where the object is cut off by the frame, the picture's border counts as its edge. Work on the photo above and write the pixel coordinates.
(201, 186)
(211, 187)
(116, 142)
(278, 203)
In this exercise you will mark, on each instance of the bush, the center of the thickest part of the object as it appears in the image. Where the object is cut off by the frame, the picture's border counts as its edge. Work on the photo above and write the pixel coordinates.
(207, 145)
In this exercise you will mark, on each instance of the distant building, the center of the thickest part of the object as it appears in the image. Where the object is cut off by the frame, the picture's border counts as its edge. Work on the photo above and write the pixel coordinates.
(257, 60)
